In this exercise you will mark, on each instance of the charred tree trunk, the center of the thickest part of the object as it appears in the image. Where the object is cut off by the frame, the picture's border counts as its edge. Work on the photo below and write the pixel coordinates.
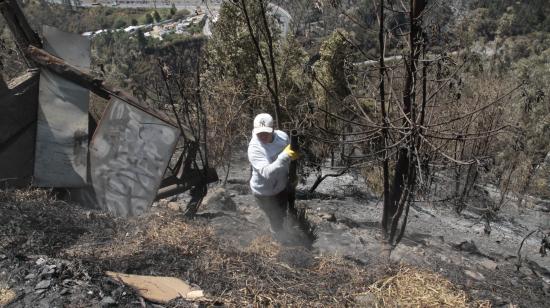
(527, 184)
(400, 194)
(387, 211)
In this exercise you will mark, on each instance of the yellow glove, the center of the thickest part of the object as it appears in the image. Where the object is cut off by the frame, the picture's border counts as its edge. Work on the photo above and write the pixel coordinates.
(292, 154)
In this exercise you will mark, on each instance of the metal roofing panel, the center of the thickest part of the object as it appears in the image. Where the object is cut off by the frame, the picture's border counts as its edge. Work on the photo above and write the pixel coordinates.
(129, 153)
(62, 123)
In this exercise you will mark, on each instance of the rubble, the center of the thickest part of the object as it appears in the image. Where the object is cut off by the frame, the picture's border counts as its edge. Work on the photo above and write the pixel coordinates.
(475, 275)
(44, 284)
(489, 264)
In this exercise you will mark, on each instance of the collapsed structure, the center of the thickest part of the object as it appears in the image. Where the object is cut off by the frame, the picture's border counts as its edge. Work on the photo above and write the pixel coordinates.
(121, 164)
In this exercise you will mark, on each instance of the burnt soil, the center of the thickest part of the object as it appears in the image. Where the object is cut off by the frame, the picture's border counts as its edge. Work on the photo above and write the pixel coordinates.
(54, 253)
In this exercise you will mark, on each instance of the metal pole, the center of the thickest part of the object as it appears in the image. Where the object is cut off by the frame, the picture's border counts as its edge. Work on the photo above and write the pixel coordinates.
(292, 177)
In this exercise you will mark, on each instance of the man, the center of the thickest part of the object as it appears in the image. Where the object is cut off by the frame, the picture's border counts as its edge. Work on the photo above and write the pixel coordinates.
(269, 154)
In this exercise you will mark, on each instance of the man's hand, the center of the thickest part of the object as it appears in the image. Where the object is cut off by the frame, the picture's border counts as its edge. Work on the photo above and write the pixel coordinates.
(292, 154)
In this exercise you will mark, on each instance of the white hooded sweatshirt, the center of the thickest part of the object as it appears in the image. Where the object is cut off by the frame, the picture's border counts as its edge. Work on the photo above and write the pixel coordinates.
(269, 164)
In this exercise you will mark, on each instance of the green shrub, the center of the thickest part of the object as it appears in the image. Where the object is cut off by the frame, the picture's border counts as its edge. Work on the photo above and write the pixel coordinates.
(173, 9)
(119, 24)
(156, 16)
(181, 14)
(148, 18)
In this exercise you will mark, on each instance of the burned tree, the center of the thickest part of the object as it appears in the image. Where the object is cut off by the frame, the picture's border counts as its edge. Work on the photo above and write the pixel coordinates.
(414, 129)
(419, 136)
(398, 197)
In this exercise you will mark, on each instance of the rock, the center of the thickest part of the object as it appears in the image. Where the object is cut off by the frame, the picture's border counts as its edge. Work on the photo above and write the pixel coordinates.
(64, 291)
(489, 264)
(47, 271)
(228, 204)
(468, 246)
(44, 284)
(3, 257)
(213, 195)
(366, 300)
(30, 276)
(40, 261)
(107, 301)
(327, 216)
(451, 258)
(219, 198)
(174, 206)
(475, 275)
(407, 255)
(524, 271)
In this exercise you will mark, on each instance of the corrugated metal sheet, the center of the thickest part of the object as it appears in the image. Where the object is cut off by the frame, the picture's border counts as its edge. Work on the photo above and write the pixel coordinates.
(129, 154)
(62, 123)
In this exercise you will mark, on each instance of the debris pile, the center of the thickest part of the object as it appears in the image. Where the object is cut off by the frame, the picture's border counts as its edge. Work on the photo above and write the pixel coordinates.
(48, 140)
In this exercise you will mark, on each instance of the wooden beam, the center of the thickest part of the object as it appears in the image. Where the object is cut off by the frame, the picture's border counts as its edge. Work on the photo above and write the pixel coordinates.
(190, 179)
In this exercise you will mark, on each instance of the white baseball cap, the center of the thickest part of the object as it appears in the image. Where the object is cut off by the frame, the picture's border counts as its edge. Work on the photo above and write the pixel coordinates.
(263, 123)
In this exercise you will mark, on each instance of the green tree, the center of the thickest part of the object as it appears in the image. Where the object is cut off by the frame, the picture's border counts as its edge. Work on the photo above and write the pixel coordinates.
(134, 22)
(173, 9)
(180, 14)
(141, 39)
(331, 86)
(156, 16)
(148, 18)
(120, 23)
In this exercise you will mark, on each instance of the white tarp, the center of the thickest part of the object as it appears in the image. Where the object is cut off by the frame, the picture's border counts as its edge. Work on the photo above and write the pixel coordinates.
(62, 121)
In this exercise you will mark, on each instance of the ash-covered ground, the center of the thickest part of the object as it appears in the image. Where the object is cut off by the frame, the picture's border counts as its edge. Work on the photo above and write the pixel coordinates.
(54, 253)
(347, 221)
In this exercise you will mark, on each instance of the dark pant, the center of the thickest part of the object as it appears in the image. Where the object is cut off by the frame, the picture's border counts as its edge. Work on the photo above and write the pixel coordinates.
(275, 208)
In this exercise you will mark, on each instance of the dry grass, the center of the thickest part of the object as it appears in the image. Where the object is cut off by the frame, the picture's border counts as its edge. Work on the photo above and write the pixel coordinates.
(416, 288)
(164, 243)
(6, 296)
(264, 246)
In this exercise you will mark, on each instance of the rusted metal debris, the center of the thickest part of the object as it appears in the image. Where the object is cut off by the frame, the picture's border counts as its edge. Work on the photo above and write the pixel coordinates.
(124, 166)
